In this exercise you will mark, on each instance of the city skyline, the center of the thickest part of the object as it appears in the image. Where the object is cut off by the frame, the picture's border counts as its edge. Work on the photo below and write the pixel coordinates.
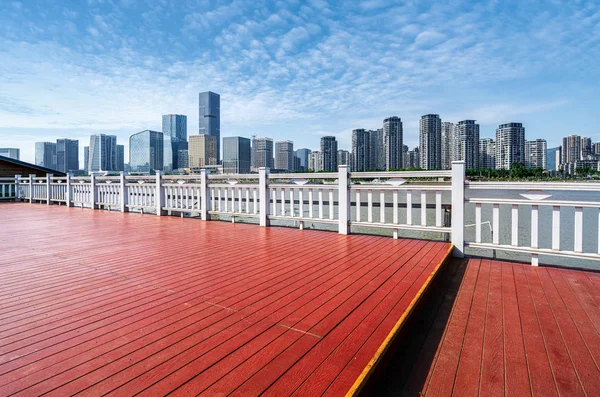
(280, 72)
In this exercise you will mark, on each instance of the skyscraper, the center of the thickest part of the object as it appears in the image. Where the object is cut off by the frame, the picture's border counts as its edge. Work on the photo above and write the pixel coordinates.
(146, 152)
(430, 142)
(393, 141)
(86, 159)
(67, 155)
(284, 155)
(553, 159)
(510, 145)
(175, 127)
(467, 137)
(571, 149)
(535, 154)
(262, 153)
(595, 148)
(12, 153)
(102, 153)
(236, 155)
(45, 155)
(361, 150)
(343, 157)
(449, 149)
(202, 151)
(210, 117)
(376, 150)
(329, 153)
(487, 153)
(302, 155)
(315, 161)
(120, 157)
(586, 148)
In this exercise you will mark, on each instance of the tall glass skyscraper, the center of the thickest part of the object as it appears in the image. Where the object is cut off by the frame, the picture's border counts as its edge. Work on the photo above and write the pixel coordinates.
(102, 153)
(45, 155)
(236, 155)
(174, 128)
(67, 155)
(210, 117)
(302, 155)
(146, 152)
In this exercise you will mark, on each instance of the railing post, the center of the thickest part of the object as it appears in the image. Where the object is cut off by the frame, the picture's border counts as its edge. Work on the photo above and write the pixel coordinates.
(48, 193)
(343, 199)
(159, 197)
(69, 191)
(93, 192)
(458, 208)
(17, 188)
(263, 195)
(204, 195)
(31, 179)
(123, 192)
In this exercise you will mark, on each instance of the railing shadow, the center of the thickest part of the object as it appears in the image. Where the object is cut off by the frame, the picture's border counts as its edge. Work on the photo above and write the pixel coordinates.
(404, 368)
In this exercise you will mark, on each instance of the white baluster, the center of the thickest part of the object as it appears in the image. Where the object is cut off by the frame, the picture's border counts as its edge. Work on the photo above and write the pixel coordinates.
(515, 225)
(370, 206)
(556, 227)
(301, 203)
(274, 195)
(331, 204)
(382, 206)
(292, 202)
(396, 209)
(282, 194)
(310, 203)
(409, 207)
(255, 200)
(438, 208)
(534, 226)
(496, 224)
(357, 205)
(247, 200)
(478, 222)
(320, 203)
(423, 208)
(578, 229)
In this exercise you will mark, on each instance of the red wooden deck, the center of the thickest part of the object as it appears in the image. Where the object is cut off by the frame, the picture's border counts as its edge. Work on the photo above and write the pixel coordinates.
(97, 303)
(518, 330)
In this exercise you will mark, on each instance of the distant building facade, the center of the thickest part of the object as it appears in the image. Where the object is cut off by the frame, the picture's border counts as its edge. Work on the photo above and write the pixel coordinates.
(467, 140)
(430, 142)
(302, 155)
(45, 155)
(553, 159)
(535, 154)
(12, 153)
(510, 145)
(284, 155)
(67, 155)
(343, 157)
(487, 154)
(262, 153)
(329, 153)
(361, 150)
(174, 126)
(393, 142)
(209, 122)
(315, 161)
(202, 151)
(146, 152)
(448, 145)
(102, 153)
(236, 155)
(377, 150)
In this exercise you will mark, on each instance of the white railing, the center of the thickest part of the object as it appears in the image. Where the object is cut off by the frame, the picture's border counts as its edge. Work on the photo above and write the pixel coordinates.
(475, 215)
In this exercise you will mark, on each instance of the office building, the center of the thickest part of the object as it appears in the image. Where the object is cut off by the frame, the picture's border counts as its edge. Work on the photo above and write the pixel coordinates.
(343, 157)
(329, 153)
(315, 161)
(86, 159)
(284, 156)
(302, 155)
(448, 145)
(430, 142)
(120, 157)
(174, 128)
(487, 154)
(67, 155)
(210, 117)
(535, 154)
(553, 158)
(102, 153)
(361, 150)
(393, 141)
(467, 140)
(183, 159)
(510, 145)
(45, 155)
(236, 155)
(262, 154)
(376, 150)
(12, 153)
(202, 151)
(571, 149)
(147, 152)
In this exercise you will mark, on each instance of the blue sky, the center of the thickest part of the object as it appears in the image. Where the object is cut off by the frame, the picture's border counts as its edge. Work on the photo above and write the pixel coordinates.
(296, 70)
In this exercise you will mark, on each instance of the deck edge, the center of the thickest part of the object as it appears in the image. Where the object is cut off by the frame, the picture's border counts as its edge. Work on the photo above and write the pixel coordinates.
(367, 371)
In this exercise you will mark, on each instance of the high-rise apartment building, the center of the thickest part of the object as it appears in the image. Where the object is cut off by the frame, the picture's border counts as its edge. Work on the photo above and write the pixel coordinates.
(361, 150)
(377, 150)
(262, 153)
(467, 139)
(553, 159)
(45, 155)
(487, 153)
(120, 157)
(315, 161)
(510, 145)
(414, 159)
(202, 151)
(302, 155)
(595, 148)
(284, 155)
(329, 153)
(12, 153)
(449, 149)
(86, 159)
(210, 117)
(393, 141)
(586, 148)
(174, 129)
(102, 153)
(430, 142)
(535, 154)
(571, 149)
(236, 155)
(147, 152)
(67, 155)
(343, 157)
